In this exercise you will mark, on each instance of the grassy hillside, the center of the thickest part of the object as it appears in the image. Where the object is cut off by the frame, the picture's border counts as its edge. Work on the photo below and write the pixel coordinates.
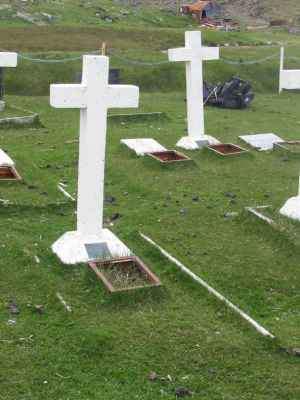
(125, 12)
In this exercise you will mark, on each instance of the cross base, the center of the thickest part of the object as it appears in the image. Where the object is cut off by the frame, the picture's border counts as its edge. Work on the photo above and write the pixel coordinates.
(189, 143)
(75, 247)
(291, 208)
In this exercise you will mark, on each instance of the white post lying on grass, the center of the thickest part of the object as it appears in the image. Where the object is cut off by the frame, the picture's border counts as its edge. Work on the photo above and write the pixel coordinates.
(288, 78)
(193, 54)
(211, 290)
(94, 96)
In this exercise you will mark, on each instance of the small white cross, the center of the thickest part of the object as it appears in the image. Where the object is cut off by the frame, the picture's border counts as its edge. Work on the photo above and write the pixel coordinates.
(193, 54)
(94, 96)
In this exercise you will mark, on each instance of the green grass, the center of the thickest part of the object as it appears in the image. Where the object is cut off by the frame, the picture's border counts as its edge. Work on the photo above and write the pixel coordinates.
(106, 348)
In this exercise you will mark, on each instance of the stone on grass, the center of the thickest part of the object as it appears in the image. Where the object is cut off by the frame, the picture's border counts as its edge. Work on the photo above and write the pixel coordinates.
(143, 146)
(262, 141)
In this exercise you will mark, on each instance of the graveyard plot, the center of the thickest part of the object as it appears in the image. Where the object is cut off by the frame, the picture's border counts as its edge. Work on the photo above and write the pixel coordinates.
(110, 344)
(227, 149)
(123, 274)
(169, 156)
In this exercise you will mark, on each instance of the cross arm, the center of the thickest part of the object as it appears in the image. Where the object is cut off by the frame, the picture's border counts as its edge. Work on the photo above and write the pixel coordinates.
(180, 54)
(68, 96)
(8, 59)
(189, 54)
(122, 96)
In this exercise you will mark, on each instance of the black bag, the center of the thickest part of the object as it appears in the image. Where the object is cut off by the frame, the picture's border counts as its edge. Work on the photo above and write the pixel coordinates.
(235, 93)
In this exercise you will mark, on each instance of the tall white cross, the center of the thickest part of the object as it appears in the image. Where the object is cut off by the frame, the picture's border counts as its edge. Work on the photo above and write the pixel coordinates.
(94, 96)
(193, 54)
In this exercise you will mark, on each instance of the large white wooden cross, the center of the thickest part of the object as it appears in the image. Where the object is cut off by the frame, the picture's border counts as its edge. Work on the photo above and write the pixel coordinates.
(94, 96)
(7, 59)
(193, 54)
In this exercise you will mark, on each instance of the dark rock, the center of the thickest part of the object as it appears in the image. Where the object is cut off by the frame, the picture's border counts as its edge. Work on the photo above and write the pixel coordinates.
(267, 195)
(183, 392)
(110, 200)
(230, 194)
(115, 216)
(195, 199)
(13, 309)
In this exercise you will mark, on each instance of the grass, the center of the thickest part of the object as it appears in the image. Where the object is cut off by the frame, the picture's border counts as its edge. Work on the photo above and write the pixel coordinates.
(108, 345)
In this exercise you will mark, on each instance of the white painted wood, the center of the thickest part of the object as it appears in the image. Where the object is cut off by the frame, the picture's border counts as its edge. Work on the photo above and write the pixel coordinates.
(143, 146)
(210, 289)
(5, 160)
(289, 79)
(93, 97)
(193, 54)
(8, 60)
(262, 141)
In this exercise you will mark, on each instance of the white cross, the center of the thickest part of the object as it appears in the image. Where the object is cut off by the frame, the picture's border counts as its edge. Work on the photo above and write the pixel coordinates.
(193, 54)
(94, 96)
(8, 59)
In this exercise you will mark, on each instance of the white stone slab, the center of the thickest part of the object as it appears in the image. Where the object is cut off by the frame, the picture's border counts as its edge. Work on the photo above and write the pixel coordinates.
(5, 160)
(8, 59)
(193, 54)
(74, 247)
(262, 141)
(188, 143)
(291, 208)
(143, 146)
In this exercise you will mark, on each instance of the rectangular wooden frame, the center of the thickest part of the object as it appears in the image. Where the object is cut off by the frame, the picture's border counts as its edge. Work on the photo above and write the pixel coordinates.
(138, 262)
(214, 148)
(156, 157)
(12, 172)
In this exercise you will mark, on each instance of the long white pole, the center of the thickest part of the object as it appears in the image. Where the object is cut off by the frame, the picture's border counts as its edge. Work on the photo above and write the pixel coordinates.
(211, 290)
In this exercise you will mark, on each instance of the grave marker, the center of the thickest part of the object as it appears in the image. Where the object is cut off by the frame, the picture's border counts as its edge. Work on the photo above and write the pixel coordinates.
(94, 96)
(7, 60)
(288, 78)
(193, 54)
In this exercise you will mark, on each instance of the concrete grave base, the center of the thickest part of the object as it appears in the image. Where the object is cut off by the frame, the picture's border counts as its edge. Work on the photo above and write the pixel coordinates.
(291, 208)
(74, 247)
(188, 143)
(5, 160)
(2, 105)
